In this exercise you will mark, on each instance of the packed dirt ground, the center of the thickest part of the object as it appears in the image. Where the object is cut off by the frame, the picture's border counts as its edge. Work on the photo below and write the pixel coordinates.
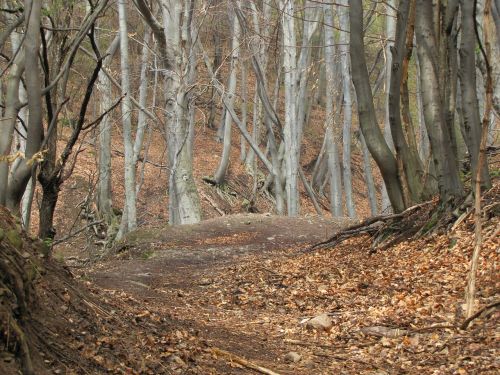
(247, 294)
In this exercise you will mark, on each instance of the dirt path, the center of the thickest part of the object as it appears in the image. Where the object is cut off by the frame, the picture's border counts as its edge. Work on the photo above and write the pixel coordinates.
(176, 272)
(242, 284)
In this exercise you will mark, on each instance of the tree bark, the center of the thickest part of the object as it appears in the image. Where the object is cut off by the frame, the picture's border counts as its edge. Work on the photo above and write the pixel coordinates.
(366, 110)
(332, 151)
(129, 217)
(220, 174)
(20, 178)
(104, 195)
(184, 201)
(347, 107)
(470, 107)
(291, 130)
(8, 120)
(449, 184)
(412, 167)
(390, 32)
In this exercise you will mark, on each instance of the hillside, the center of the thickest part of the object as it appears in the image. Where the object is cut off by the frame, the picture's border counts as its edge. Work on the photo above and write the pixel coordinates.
(239, 294)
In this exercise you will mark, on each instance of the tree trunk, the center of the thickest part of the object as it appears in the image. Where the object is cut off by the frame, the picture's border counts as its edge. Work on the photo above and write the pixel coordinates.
(104, 195)
(390, 31)
(220, 174)
(20, 178)
(367, 168)
(347, 107)
(470, 106)
(244, 107)
(129, 219)
(410, 160)
(331, 142)
(184, 202)
(291, 130)
(449, 184)
(366, 110)
(143, 96)
(8, 120)
(217, 62)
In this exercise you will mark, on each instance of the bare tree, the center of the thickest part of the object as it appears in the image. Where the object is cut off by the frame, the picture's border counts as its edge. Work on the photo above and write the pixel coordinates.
(449, 183)
(366, 111)
(291, 128)
(220, 174)
(470, 105)
(332, 147)
(346, 106)
(104, 197)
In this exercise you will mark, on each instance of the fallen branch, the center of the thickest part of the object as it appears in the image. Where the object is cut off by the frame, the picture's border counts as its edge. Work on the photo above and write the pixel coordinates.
(488, 308)
(242, 361)
(76, 232)
(210, 200)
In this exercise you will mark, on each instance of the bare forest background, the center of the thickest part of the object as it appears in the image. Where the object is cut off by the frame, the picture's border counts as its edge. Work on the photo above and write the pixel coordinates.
(154, 126)
(344, 109)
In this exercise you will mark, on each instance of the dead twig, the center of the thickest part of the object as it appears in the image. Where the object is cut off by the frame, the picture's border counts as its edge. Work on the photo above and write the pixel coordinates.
(242, 361)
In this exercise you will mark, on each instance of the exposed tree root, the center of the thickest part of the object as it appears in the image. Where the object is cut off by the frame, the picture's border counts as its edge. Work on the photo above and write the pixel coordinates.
(380, 227)
(417, 221)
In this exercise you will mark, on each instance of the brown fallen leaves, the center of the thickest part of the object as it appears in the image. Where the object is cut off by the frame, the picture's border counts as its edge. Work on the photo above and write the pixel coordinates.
(408, 297)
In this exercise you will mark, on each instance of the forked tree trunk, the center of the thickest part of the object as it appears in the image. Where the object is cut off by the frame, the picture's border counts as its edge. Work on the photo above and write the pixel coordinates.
(412, 167)
(366, 110)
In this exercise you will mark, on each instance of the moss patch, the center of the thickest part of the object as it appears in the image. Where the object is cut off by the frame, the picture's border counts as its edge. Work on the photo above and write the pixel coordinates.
(14, 238)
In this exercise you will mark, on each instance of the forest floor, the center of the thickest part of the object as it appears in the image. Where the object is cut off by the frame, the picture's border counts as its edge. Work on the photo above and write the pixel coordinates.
(240, 291)
(245, 294)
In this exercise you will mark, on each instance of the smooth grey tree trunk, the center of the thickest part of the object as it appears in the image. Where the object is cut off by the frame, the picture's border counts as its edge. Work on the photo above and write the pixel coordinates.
(220, 174)
(291, 130)
(19, 180)
(104, 196)
(244, 108)
(310, 24)
(331, 143)
(367, 168)
(184, 201)
(9, 118)
(143, 96)
(263, 57)
(346, 106)
(129, 219)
